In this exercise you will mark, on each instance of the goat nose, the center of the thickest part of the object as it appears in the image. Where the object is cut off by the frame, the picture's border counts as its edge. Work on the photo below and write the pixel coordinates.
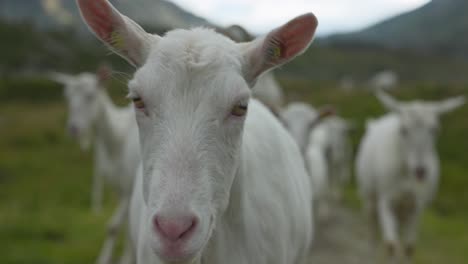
(174, 229)
(420, 173)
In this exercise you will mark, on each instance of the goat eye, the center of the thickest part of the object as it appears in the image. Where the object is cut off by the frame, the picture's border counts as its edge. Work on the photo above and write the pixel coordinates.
(138, 102)
(239, 110)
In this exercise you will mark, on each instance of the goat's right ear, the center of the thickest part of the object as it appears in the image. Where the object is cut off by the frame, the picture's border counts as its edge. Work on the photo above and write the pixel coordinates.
(389, 102)
(58, 77)
(121, 34)
(450, 104)
(278, 47)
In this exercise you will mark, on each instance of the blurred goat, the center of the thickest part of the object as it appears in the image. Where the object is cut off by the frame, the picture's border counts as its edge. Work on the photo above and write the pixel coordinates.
(301, 120)
(332, 136)
(398, 169)
(384, 80)
(93, 117)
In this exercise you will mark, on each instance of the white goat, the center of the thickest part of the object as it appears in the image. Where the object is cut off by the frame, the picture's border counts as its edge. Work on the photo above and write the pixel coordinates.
(398, 169)
(301, 120)
(316, 165)
(113, 130)
(218, 183)
(384, 80)
(267, 88)
(332, 136)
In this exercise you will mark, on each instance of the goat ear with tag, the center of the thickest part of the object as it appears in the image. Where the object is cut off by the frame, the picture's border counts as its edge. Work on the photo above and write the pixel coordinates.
(278, 47)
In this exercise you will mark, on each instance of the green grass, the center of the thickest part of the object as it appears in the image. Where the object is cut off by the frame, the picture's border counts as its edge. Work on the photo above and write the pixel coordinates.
(45, 180)
(443, 239)
(45, 215)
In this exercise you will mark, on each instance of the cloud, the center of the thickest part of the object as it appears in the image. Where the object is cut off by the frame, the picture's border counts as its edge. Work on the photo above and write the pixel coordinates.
(259, 16)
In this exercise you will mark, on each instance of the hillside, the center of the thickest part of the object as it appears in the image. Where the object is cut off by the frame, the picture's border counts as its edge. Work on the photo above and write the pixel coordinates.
(57, 14)
(441, 26)
(54, 40)
(38, 35)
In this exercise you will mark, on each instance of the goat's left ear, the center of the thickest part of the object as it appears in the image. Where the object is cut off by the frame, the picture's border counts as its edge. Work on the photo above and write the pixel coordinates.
(121, 34)
(450, 104)
(278, 47)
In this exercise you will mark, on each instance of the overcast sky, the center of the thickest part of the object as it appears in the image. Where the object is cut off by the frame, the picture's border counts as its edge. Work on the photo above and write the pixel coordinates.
(259, 16)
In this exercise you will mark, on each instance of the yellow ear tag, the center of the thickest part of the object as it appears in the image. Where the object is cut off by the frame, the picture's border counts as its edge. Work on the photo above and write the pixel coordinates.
(117, 40)
(277, 52)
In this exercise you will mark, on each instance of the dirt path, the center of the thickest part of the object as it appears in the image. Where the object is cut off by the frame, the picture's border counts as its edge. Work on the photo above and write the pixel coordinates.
(342, 239)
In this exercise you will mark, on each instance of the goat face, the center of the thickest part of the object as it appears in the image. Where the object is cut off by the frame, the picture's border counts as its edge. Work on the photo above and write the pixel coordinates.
(418, 130)
(419, 125)
(81, 93)
(190, 104)
(191, 92)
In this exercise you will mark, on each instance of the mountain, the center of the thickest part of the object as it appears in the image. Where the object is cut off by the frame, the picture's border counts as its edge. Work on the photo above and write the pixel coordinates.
(440, 27)
(49, 34)
(58, 14)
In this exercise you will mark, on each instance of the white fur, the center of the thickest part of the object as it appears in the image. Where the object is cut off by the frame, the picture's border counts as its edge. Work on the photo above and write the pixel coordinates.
(325, 146)
(256, 226)
(385, 80)
(254, 189)
(267, 89)
(269, 92)
(298, 118)
(301, 120)
(332, 136)
(113, 131)
(392, 149)
(316, 164)
(238, 179)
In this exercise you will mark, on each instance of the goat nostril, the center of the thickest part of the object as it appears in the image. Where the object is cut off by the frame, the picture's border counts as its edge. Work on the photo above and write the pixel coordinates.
(174, 229)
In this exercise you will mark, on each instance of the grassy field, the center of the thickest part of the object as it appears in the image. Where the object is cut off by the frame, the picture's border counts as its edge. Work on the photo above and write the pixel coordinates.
(45, 180)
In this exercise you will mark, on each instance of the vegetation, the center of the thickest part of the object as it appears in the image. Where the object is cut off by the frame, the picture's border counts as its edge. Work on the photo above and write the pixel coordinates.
(45, 179)
(331, 62)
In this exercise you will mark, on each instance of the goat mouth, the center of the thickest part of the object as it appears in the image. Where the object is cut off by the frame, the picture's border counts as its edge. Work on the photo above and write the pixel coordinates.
(176, 254)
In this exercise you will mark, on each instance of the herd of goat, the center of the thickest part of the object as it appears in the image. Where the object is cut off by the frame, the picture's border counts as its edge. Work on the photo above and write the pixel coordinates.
(211, 168)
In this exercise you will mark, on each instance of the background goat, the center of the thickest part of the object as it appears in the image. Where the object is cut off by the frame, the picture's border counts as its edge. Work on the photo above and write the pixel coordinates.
(398, 169)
